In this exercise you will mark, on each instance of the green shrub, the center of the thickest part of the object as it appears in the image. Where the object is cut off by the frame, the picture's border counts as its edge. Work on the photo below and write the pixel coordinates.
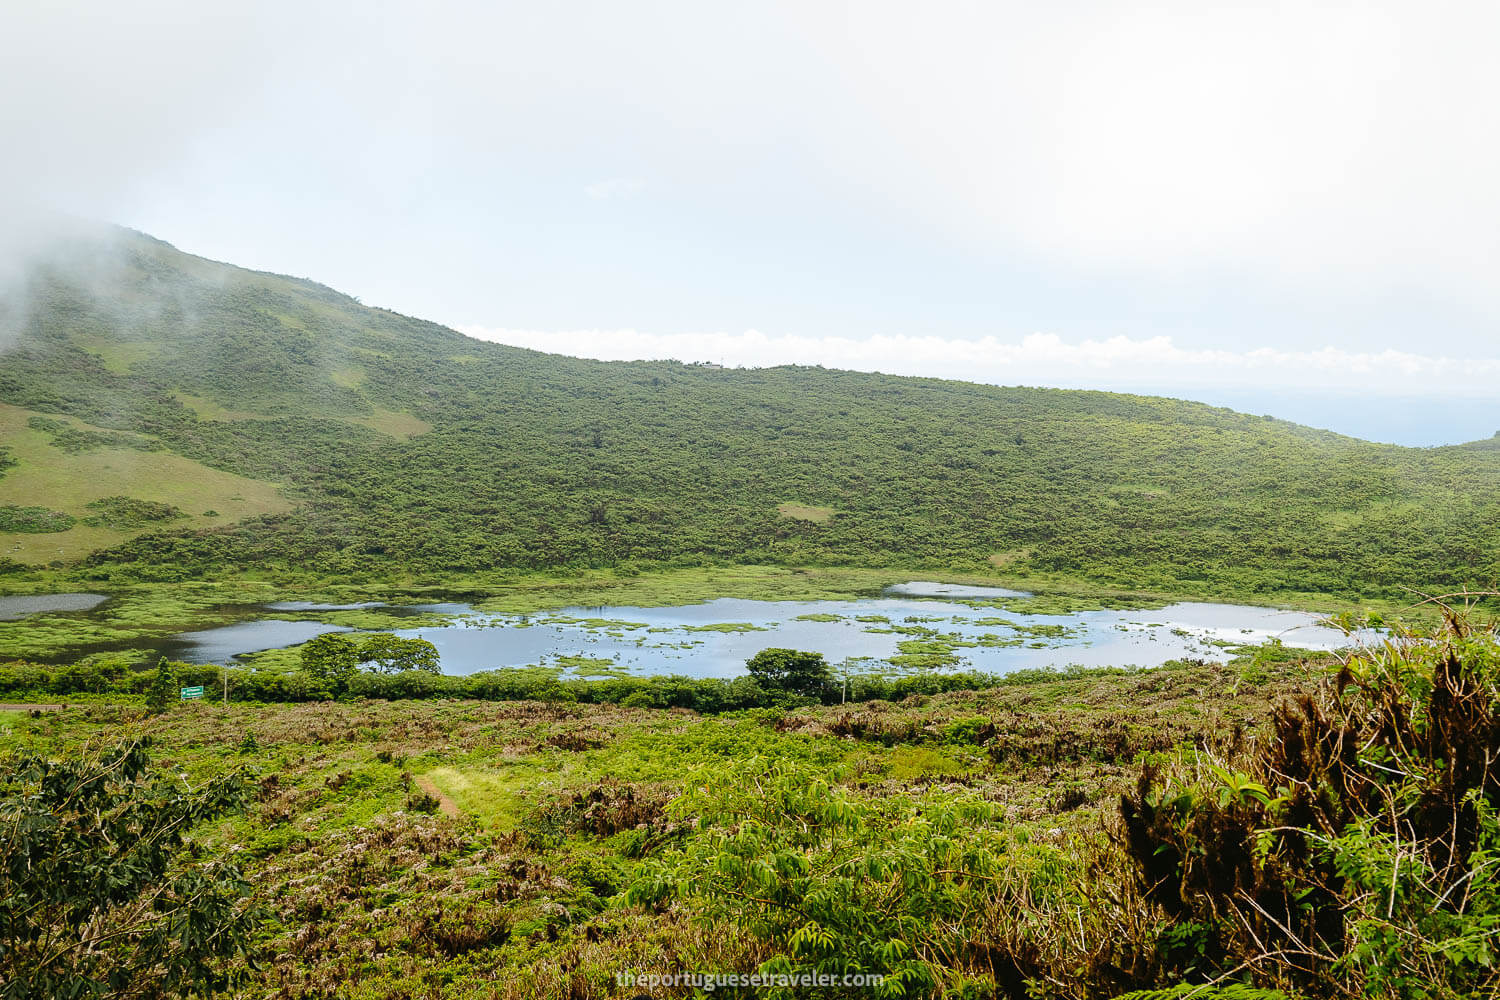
(124, 513)
(1356, 849)
(34, 520)
(832, 882)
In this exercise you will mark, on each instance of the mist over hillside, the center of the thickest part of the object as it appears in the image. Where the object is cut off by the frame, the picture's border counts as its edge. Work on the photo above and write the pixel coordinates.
(278, 424)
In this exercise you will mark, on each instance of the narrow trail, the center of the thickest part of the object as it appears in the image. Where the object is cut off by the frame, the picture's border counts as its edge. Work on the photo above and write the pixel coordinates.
(447, 805)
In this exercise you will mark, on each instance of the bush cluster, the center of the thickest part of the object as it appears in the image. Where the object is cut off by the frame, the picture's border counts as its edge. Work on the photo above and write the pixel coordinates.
(707, 695)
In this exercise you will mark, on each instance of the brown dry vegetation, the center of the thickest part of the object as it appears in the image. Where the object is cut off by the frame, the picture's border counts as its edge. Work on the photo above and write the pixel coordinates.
(379, 893)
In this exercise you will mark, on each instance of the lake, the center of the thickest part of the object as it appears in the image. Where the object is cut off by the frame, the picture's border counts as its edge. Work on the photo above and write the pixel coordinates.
(911, 627)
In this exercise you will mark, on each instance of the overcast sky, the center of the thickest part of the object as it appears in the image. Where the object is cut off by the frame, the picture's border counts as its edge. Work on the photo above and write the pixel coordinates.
(1289, 208)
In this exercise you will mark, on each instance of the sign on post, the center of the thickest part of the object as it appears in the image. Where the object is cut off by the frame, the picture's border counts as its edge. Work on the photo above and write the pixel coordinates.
(195, 691)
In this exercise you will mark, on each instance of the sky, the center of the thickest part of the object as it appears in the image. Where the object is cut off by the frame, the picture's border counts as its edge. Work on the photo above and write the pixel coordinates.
(1287, 208)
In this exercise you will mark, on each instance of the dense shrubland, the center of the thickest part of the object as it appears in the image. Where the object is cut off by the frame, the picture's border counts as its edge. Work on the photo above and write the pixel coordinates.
(531, 461)
(345, 675)
(1355, 849)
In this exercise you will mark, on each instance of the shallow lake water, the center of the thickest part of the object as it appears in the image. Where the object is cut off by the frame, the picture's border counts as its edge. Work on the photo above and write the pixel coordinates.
(914, 626)
(12, 608)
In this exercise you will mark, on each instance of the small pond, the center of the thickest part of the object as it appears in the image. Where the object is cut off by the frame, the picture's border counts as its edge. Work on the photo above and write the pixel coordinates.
(13, 608)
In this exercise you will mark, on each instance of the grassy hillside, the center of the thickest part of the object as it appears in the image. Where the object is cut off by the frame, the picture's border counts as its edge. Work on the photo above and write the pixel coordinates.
(68, 481)
(362, 443)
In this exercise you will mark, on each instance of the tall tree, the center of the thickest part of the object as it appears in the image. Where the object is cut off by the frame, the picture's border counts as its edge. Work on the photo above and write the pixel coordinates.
(791, 670)
(391, 654)
(332, 658)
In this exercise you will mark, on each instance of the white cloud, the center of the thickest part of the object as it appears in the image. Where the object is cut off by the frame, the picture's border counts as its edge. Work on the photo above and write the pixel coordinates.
(1301, 143)
(614, 187)
(1324, 150)
(1038, 359)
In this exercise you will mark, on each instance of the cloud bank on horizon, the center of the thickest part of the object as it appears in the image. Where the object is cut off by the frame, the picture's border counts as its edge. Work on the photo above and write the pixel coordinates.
(1119, 363)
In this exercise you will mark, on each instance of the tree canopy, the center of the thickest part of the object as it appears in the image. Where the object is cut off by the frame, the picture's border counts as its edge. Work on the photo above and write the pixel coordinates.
(790, 670)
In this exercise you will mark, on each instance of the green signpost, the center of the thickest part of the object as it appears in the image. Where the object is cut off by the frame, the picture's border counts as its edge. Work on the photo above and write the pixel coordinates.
(192, 692)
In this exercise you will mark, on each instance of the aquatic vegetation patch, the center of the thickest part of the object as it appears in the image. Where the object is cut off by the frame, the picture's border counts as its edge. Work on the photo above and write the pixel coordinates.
(614, 624)
(590, 666)
(989, 640)
(370, 619)
(928, 654)
(1063, 604)
(273, 661)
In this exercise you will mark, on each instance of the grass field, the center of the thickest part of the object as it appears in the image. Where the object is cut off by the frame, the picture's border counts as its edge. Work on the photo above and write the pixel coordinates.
(802, 512)
(394, 423)
(46, 476)
(207, 409)
(118, 356)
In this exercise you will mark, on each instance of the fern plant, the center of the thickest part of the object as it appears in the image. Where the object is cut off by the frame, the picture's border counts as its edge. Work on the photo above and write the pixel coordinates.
(838, 884)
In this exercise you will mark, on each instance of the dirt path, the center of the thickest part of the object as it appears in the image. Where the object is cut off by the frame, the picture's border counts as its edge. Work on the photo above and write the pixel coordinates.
(32, 708)
(447, 805)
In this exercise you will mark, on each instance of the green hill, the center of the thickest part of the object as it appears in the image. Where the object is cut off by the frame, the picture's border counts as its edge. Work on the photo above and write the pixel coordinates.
(291, 427)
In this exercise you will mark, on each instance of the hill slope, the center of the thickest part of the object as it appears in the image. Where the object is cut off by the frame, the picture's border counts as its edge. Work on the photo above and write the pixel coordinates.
(372, 442)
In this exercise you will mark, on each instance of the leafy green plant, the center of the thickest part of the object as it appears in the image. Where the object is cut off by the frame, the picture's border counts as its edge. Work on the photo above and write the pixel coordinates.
(163, 692)
(98, 895)
(834, 883)
(792, 671)
(1355, 849)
